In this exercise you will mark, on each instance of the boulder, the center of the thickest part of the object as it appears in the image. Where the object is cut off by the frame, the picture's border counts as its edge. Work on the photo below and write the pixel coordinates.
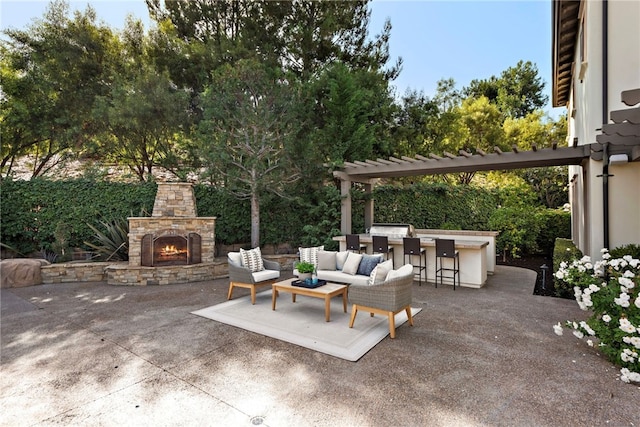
(19, 272)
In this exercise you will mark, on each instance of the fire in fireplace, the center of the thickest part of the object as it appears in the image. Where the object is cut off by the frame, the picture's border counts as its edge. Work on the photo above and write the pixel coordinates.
(171, 248)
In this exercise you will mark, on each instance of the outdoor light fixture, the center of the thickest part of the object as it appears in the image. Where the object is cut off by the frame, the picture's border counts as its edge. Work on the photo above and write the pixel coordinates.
(618, 159)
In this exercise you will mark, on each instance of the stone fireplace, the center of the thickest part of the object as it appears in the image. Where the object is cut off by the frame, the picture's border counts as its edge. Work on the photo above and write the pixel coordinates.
(173, 245)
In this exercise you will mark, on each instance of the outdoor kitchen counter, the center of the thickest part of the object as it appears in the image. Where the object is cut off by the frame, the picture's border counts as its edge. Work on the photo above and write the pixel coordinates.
(473, 257)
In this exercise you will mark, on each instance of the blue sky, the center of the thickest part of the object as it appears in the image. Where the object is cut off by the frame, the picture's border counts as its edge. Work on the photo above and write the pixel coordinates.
(464, 40)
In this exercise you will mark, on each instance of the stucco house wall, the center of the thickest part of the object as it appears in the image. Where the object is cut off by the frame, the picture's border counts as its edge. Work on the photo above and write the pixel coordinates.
(585, 113)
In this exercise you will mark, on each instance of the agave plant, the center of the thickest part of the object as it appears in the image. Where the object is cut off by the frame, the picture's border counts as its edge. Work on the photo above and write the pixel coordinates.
(113, 241)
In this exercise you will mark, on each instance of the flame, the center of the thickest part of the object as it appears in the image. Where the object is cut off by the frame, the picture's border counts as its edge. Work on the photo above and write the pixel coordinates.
(169, 250)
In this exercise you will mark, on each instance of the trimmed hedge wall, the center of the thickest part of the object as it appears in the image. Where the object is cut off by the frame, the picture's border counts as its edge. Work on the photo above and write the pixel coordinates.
(47, 215)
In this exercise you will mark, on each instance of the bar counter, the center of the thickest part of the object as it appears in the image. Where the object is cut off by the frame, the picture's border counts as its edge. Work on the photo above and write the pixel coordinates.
(473, 257)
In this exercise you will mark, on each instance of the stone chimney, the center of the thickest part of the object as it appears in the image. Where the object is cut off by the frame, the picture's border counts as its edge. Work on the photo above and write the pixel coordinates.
(175, 199)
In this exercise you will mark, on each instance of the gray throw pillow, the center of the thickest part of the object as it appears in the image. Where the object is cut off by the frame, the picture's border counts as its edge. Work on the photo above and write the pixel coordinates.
(327, 260)
(352, 263)
(368, 263)
(341, 258)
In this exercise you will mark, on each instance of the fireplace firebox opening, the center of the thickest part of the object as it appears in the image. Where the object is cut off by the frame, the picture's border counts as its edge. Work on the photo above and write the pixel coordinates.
(171, 249)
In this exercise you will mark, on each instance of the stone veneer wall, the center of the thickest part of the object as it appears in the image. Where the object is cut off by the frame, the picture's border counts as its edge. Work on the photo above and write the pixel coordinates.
(204, 226)
(144, 276)
(123, 274)
(74, 272)
(175, 199)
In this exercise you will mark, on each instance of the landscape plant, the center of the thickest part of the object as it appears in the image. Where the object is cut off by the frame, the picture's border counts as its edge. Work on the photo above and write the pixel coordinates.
(609, 290)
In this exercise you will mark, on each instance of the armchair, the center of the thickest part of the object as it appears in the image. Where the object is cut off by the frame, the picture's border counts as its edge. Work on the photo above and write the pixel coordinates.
(243, 277)
(389, 298)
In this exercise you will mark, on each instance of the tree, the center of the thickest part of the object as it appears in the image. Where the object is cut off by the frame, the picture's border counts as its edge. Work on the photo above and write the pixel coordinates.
(517, 92)
(414, 119)
(345, 108)
(482, 129)
(301, 37)
(245, 133)
(144, 116)
(46, 103)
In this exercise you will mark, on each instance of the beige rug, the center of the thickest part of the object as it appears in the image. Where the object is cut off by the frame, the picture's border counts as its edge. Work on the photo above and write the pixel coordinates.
(302, 323)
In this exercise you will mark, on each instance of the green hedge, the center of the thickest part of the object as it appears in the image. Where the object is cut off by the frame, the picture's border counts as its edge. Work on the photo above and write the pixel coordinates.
(46, 215)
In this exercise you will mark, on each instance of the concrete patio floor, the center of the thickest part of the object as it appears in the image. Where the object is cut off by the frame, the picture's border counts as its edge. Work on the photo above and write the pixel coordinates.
(98, 355)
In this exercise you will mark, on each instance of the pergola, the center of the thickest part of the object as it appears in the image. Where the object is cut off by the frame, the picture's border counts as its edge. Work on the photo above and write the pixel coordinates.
(370, 171)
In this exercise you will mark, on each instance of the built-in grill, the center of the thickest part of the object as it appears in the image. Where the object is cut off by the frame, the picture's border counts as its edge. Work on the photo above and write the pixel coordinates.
(392, 230)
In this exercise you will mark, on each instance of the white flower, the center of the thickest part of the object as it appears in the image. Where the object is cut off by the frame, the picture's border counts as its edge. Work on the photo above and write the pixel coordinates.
(557, 329)
(604, 250)
(590, 343)
(629, 274)
(622, 300)
(594, 288)
(626, 326)
(626, 282)
(559, 274)
(578, 334)
(637, 303)
(606, 318)
(587, 328)
(606, 256)
(627, 376)
(628, 355)
(634, 341)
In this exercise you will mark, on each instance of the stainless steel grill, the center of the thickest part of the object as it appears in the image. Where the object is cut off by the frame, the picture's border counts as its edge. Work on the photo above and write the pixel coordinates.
(397, 231)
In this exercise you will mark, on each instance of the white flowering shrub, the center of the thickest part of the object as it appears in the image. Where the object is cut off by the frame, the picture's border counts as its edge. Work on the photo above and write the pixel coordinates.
(610, 290)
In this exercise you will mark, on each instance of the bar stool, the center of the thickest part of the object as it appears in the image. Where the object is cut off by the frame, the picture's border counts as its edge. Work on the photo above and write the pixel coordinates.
(412, 248)
(446, 248)
(381, 246)
(353, 243)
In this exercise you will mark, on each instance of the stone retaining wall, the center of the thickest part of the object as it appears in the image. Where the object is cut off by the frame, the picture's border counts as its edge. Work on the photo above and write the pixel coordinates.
(122, 273)
(75, 272)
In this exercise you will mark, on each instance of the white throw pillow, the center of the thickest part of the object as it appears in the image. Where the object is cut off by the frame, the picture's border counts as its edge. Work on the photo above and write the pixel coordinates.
(341, 258)
(310, 254)
(235, 258)
(252, 259)
(405, 270)
(327, 260)
(352, 263)
(379, 273)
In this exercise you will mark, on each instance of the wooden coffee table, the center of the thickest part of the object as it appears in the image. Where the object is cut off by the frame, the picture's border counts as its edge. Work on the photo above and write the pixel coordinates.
(327, 292)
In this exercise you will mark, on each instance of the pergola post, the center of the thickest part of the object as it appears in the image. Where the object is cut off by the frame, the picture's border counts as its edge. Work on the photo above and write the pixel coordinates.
(345, 205)
(368, 207)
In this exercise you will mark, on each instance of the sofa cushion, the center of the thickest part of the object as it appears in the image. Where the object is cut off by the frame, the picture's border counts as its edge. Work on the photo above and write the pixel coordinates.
(405, 270)
(261, 276)
(379, 273)
(327, 260)
(340, 277)
(368, 263)
(341, 258)
(252, 259)
(352, 263)
(310, 254)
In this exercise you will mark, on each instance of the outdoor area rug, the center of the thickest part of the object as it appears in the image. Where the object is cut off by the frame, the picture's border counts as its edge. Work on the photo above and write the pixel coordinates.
(302, 323)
